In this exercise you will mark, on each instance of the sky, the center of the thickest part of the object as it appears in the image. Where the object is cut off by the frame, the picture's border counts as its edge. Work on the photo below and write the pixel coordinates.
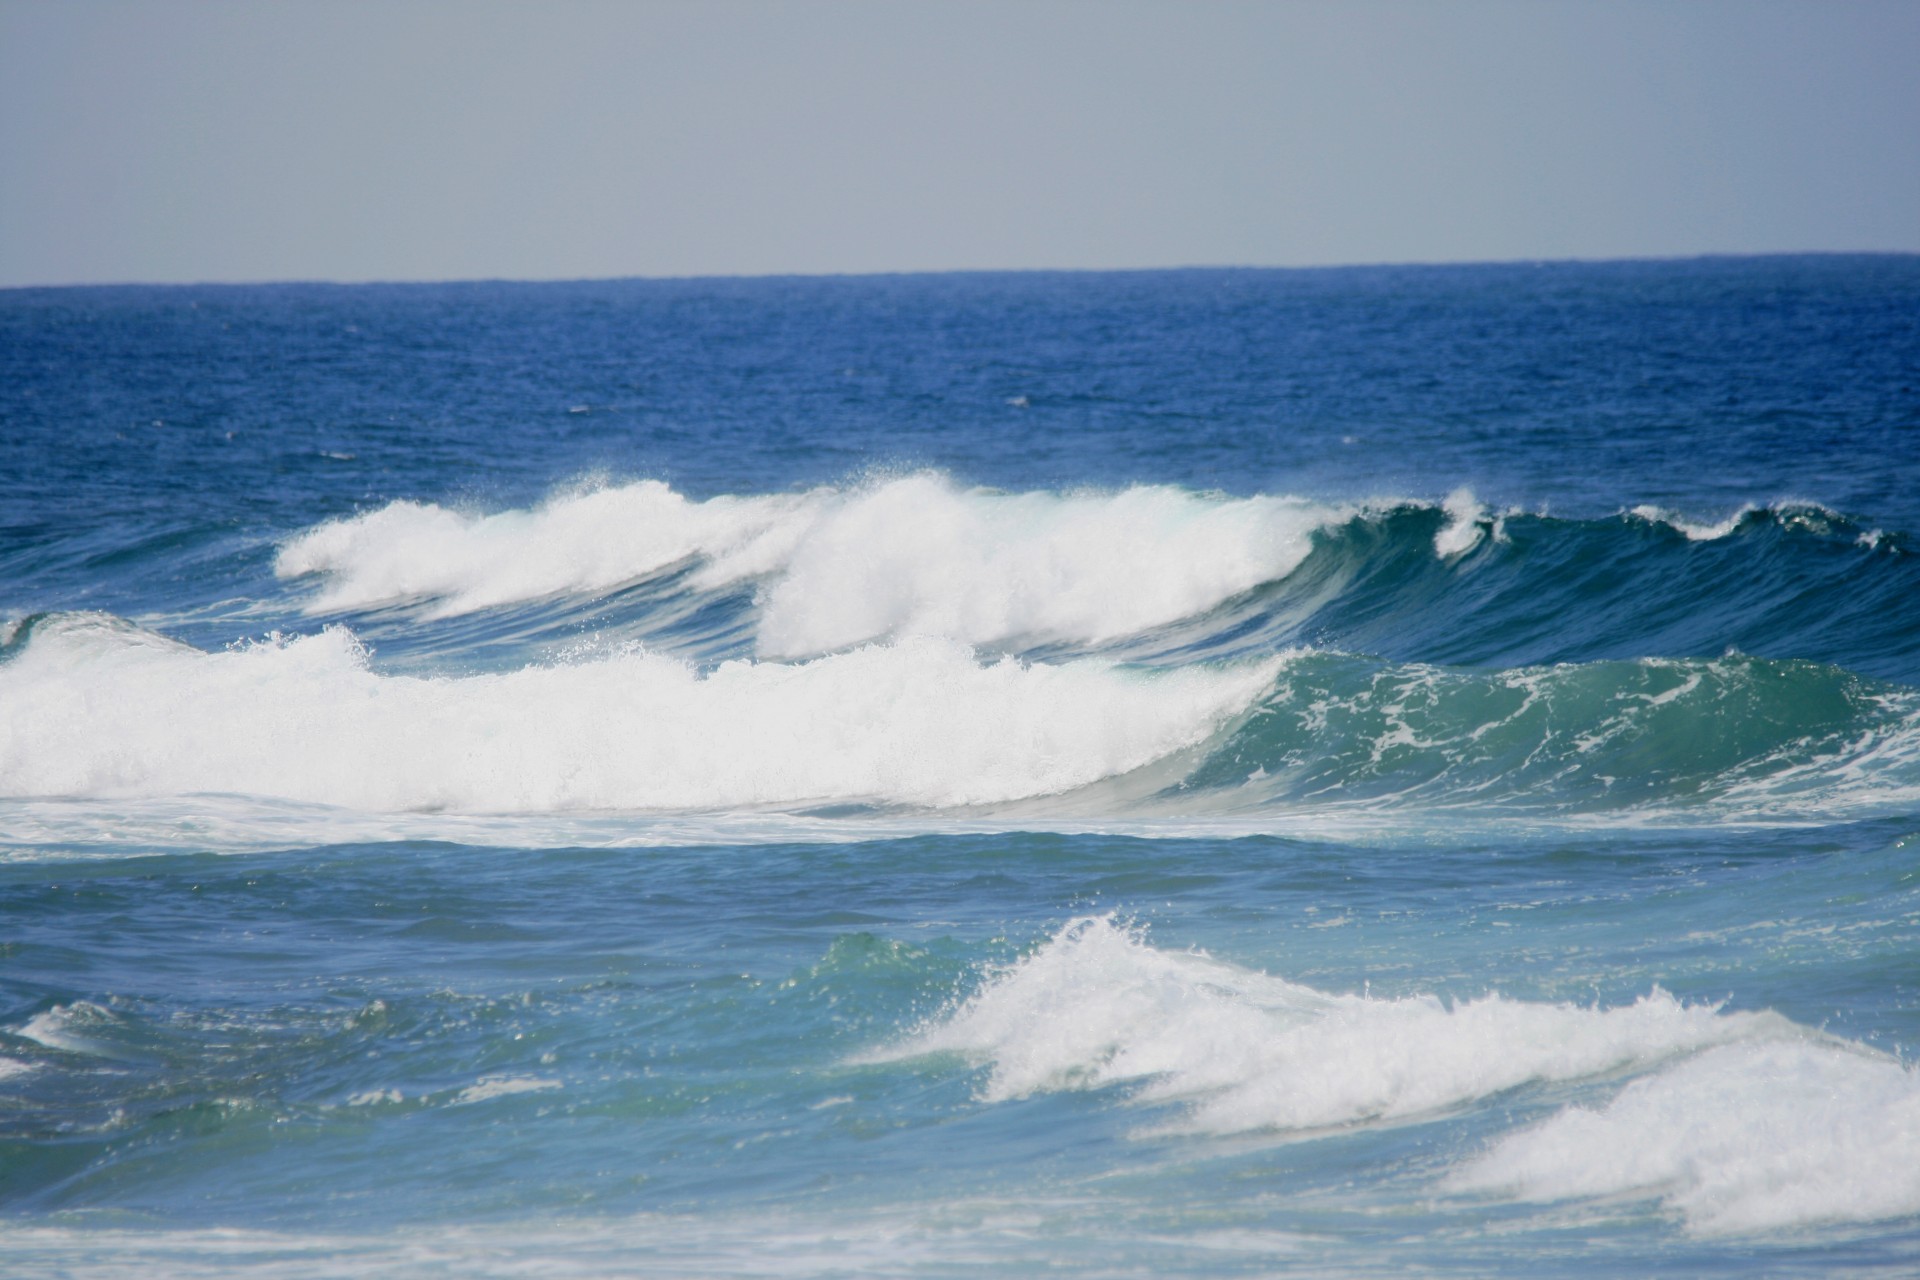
(165, 141)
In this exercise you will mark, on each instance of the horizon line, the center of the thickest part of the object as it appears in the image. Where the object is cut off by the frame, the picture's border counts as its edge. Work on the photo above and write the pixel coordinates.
(880, 274)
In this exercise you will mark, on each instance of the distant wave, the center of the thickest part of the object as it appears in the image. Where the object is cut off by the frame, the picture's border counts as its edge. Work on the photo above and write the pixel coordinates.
(584, 540)
(1811, 517)
(909, 556)
(1738, 1121)
(1149, 573)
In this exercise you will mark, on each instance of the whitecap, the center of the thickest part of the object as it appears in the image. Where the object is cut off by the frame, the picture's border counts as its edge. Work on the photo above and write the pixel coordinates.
(501, 1086)
(1243, 1051)
(1466, 524)
(902, 556)
(1740, 1138)
(96, 712)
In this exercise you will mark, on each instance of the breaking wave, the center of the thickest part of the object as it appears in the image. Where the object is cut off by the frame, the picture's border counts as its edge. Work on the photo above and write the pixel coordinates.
(1736, 1121)
(1151, 573)
(98, 707)
(905, 557)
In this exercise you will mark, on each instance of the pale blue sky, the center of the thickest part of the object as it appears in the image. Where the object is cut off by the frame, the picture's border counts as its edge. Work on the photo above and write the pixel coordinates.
(157, 141)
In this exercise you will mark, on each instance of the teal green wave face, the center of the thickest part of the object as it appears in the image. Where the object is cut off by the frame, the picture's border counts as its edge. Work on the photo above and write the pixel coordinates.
(1730, 737)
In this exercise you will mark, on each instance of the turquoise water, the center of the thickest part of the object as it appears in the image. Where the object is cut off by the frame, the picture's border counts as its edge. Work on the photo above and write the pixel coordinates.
(1336, 772)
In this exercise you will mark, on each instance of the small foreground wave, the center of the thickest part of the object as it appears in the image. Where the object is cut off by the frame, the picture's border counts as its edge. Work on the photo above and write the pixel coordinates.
(1738, 1122)
(1095, 1005)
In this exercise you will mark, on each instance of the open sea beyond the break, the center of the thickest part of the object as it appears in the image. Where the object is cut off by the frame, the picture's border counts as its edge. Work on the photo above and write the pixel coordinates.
(1354, 772)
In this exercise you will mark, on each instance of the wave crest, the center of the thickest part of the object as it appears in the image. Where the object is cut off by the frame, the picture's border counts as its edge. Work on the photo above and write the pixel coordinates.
(1737, 1121)
(1149, 573)
(1095, 1005)
(909, 556)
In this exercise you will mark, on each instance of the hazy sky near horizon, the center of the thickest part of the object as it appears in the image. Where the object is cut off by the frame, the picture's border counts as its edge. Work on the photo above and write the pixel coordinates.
(417, 140)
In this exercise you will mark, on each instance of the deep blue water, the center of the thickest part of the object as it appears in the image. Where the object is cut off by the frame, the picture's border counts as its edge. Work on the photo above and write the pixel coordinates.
(1204, 772)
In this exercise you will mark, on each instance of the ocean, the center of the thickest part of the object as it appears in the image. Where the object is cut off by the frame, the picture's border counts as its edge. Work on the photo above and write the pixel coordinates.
(1346, 772)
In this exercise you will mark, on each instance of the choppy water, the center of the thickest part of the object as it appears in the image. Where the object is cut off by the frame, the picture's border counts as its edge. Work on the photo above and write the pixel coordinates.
(1175, 773)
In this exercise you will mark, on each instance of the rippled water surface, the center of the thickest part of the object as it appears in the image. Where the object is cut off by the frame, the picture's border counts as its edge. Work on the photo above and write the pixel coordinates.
(1218, 772)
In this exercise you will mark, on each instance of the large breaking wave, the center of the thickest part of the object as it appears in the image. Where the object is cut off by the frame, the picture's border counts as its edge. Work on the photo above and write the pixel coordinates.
(909, 644)
(1150, 573)
(97, 707)
(910, 556)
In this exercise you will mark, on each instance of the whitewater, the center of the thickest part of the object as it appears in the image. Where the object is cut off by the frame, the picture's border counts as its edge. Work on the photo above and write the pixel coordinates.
(1382, 769)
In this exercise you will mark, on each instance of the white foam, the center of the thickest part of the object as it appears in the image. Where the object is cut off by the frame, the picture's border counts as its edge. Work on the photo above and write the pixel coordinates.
(376, 1098)
(580, 540)
(1027, 1235)
(1877, 770)
(488, 1087)
(95, 709)
(1096, 1005)
(1745, 1137)
(1741, 1122)
(916, 556)
(1695, 530)
(1794, 513)
(68, 1027)
(907, 556)
(1466, 524)
(38, 830)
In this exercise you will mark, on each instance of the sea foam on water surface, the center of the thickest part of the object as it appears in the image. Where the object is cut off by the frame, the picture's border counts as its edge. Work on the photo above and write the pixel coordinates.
(1744, 1121)
(100, 709)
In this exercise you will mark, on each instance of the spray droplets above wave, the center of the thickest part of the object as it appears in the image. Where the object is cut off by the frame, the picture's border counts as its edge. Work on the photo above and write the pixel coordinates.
(1738, 1121)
